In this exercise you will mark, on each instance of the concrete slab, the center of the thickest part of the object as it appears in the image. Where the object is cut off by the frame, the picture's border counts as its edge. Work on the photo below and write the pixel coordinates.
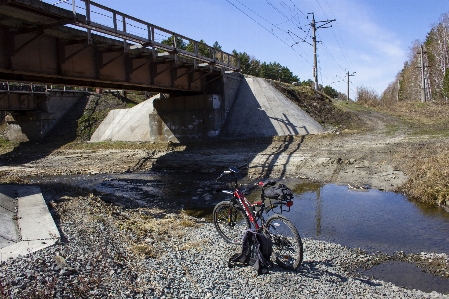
(5, 242)
(8, 198)
(8, 229)
(34, 219)
(9, 233)
(260, 110)
(23, 248)
(34, 228)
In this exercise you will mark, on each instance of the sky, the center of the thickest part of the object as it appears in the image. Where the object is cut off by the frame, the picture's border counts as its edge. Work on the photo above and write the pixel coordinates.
(370, 39)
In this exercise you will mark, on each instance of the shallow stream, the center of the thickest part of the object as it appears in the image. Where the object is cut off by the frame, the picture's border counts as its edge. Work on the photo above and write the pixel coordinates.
(368, 219)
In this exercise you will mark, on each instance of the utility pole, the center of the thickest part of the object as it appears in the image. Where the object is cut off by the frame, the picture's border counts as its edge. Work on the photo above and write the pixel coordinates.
(347, 74)
(399, 88)
(314, 26)
(423, 80)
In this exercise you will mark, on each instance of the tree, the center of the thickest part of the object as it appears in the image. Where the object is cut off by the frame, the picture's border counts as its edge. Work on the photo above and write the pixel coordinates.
(445, 89)
(367, 96)
(331, 92)
(216, 46)
(254, 67)
(408, 84)
(203, 49)
(180, 43)
(244, 60)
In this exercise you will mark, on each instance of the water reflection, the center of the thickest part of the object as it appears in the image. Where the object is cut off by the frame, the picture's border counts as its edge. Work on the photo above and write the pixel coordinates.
(372, 220)
(318, 213)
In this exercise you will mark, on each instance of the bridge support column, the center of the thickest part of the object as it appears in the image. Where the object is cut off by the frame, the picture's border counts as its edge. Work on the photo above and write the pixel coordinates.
(34, 125)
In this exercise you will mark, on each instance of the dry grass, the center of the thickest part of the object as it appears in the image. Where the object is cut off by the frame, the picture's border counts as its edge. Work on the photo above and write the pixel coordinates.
(428, 170)
(320, 107)
(422, 118)
(120, 145)
(145, 250)
(151, 230)
(5, 145)
(425, 162)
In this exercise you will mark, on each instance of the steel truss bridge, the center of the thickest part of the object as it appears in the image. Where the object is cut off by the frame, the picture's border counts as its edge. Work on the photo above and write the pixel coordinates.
(91, 45)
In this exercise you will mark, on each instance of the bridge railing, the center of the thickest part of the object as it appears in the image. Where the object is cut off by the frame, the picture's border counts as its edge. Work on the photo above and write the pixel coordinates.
(96, 17)
(20, 87)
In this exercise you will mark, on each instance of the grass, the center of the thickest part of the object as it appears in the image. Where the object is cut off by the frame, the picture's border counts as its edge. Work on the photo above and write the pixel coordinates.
(6, 146)
(428, 171)
(421, 118)
(144, 250)
(150, 231)
(105, 145)
(352, 106)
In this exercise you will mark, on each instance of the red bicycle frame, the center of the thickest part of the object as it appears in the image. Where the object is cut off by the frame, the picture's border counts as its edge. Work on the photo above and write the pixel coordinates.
(247, 206)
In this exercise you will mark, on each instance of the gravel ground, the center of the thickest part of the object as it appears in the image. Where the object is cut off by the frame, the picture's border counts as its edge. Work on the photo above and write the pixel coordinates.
(109, 249)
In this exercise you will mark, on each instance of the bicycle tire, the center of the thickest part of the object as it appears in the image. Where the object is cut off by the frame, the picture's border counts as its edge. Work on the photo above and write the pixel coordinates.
(230, 221)
(288, 249)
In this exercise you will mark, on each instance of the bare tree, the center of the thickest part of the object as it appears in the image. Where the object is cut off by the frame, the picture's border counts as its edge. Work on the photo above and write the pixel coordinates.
(367, 96)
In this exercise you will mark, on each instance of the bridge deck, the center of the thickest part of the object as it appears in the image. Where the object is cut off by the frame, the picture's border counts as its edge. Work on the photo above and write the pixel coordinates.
(48, 44)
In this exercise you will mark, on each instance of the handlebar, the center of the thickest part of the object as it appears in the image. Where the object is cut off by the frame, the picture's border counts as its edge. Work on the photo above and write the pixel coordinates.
(269, 201)
(232, 170)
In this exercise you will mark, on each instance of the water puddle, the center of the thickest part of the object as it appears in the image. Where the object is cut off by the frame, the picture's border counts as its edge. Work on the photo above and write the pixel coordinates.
(364, 218)
(164, 189)
(408, 276)
(370, 219)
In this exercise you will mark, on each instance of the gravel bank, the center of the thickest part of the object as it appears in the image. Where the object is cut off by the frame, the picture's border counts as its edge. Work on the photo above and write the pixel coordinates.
(117, 251)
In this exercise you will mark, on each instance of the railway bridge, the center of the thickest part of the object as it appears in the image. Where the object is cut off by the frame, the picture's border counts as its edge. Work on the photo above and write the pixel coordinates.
(83, 43)
(96, 46)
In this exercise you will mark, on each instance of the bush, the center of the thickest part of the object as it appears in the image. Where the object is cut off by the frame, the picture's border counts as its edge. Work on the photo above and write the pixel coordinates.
(367, 96)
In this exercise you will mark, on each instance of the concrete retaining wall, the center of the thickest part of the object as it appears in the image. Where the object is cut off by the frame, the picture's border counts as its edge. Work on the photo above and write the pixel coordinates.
(34, 125)
(260, 110)
(183, 119)
(175, 119)
(126, 124)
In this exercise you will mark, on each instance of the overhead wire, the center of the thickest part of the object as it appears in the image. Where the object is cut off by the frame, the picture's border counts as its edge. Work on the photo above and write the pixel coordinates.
(271, 32)
(294, 17)
(291, 18)
(345, 56)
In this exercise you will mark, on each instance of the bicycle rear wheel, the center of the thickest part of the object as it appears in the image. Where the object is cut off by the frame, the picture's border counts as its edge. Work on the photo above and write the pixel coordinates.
(287, 245)
(230, 221)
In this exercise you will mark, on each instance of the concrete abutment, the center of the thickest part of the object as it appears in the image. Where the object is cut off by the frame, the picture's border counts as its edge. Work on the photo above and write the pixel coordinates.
(30, 125)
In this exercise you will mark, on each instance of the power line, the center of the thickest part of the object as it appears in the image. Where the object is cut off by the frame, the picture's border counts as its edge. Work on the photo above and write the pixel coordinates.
(341, 38)
(264, 26)
(289, 12)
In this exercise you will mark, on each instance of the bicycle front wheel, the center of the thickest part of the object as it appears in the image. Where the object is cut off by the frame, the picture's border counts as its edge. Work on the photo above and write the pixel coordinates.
(230, 221)
(287, 245)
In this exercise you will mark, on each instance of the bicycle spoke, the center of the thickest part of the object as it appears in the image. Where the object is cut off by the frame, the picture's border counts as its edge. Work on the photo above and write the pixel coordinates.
(287, 244)
(230, 222)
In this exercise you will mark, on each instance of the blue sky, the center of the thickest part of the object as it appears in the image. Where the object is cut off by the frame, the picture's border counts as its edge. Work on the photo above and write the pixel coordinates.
(369, 37)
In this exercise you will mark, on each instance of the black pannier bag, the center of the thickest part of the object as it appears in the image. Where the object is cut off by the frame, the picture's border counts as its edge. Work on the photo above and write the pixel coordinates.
(280, 192)
(256, 251)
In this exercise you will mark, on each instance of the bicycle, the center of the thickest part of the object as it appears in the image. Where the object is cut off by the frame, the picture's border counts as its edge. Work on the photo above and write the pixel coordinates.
(234, 216)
